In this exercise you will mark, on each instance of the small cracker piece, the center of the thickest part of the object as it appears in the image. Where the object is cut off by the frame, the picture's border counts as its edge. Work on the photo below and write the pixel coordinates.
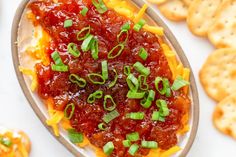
(174, 10)
(188, 2)
(224, 116)
(218, 74)
(222, 34)
(201, 15)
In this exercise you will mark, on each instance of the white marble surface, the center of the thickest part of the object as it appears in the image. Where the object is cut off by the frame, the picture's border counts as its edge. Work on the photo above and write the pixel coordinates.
(15, 111)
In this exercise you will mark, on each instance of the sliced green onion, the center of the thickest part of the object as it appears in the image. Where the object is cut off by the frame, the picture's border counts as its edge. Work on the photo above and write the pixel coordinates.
(5, 141)
(127, 70)
(141, 69)
(162, 104)
(133, 149)
(96, 95)
(70, 106)
(68, 23)
(102, 126)
(179, 83)
(165, 86)
(73, 50)
(113, 104)
(143, 53)
(94, 49)
(126, 143)
(77, 80)
(100, 6)
(126, 26)
(87, 43)
(123, 32)
(74, 136)
(105, 70)
(110, 116)
(113, 83)
(84, 11)
(147, 101)
(149, 144)
(133, 136)
(135, 115)
(59, 68)
(155, 115)
(139, 25)
(132, 82)
(92, 77)
(112, 54)
(108, 148)
(56, 58)
(135, 95)
(143, 82)
(83, 31)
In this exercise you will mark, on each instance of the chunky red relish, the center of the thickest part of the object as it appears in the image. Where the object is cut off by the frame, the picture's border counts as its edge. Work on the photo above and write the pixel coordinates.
(105, 27)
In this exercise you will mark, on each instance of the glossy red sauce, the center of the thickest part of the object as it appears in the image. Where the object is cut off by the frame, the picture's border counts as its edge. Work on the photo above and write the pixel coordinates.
(86, 118)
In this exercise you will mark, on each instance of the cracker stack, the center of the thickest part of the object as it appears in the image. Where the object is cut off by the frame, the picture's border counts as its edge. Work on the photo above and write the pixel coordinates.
(215, 20)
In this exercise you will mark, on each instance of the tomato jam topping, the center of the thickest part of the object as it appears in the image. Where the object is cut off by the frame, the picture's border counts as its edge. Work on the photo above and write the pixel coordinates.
(87, 116)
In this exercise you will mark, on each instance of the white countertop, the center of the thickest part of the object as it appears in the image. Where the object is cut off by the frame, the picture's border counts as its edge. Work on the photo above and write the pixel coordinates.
(15, 111)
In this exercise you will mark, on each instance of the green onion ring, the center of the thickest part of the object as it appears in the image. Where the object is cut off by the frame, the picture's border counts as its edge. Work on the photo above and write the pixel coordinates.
(77, 80)
(73, 50)
(91, 78)
(72, 107)
(83, 31)
(111, 55)
(113, 83)
(112, 107)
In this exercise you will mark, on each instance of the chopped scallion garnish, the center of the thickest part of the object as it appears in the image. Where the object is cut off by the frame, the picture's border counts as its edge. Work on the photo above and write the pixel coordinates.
(135, 115)
(126, 143)
(83, 33)
(68, 23)
(100, 6)
(56, 58)
(133, 136)
(139, 25)
(77, 80)
(96, 78)
(105, 69)
(141, 69)
(110, 116)
(108, 148)
(73, 50)
(126, 26)
(121, 34)
(147, 101)
(132, 82)
(113, 83)
(74, 136)
(179, 83)
(59, 68)
(84, 11)
(135, 95)
(96, 95)
(71, 109)
(164, 87)
(102, 126)
(133, 149)
(116, 51)
(105, 103)
(143, 82)
(87, 43)
(163, 108)
(5, 141)
(149, 144)
(94, 49)
(127, 70)
(143, 53)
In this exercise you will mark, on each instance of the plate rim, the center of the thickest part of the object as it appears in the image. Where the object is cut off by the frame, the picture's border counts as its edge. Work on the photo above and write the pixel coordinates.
(169, 35)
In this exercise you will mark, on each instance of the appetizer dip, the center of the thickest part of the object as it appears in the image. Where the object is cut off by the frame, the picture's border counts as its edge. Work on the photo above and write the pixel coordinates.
(108, 77)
